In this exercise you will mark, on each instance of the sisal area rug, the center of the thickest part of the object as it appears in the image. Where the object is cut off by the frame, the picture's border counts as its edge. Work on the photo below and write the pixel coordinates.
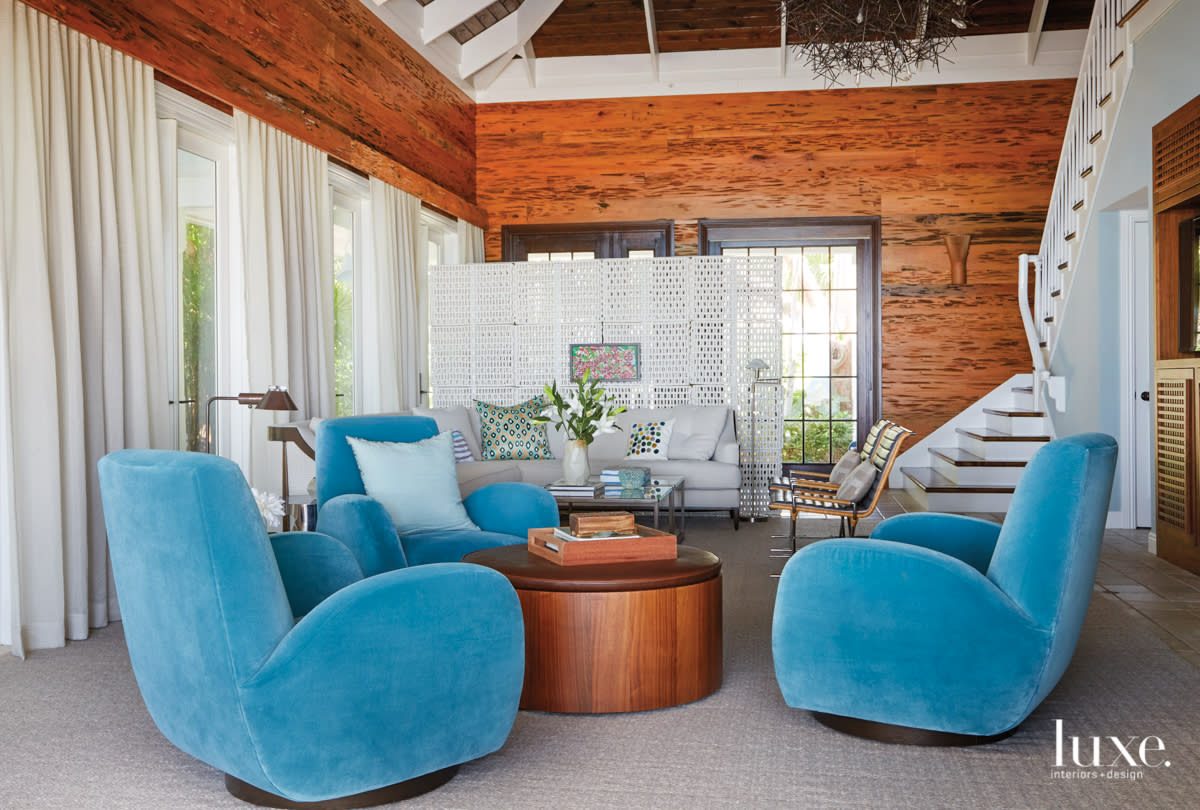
(74, 733)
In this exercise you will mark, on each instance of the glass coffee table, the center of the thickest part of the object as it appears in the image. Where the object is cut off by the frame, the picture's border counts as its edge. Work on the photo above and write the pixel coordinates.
(661, 489)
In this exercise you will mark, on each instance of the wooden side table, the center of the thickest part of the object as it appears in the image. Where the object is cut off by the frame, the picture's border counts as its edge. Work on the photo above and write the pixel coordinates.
(622, 637)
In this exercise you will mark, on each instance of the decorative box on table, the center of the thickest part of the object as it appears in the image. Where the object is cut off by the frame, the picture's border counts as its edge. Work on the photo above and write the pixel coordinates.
(621, 540)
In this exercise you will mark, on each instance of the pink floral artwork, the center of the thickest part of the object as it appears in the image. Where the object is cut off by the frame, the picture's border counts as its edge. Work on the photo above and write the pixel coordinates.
(607, 362)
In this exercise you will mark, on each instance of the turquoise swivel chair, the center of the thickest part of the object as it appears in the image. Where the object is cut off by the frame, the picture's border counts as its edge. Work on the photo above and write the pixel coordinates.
(379, 692)
(944, 629)
(504, 511)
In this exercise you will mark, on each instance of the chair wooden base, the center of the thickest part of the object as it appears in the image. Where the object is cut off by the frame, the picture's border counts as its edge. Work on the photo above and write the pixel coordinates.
(904, 735)
(407, 789)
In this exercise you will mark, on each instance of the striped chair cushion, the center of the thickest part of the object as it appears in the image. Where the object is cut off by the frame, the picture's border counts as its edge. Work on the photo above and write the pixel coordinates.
(883, 447)
(868, 447)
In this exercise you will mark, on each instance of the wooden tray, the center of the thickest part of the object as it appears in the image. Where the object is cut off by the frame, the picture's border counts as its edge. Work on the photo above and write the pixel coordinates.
(652, 545)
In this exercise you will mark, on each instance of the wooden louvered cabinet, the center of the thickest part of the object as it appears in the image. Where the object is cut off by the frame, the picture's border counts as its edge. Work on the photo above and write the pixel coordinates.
(1176, 460)
(1176, 187)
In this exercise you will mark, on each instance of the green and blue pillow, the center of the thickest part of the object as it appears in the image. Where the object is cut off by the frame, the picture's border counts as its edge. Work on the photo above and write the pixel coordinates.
(509, 432)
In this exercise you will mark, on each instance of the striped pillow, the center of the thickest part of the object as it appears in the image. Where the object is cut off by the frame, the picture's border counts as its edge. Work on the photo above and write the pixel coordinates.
(461, 451)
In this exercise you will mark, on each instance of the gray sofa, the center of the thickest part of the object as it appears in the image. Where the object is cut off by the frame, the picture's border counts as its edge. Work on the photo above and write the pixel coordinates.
(703, 449)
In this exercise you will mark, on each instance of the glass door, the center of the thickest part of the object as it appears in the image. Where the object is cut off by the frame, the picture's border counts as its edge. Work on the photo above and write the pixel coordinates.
(830, 289)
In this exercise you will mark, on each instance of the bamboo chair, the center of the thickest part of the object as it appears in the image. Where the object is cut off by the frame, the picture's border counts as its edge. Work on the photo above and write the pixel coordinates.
(812, 479)
(800, 496)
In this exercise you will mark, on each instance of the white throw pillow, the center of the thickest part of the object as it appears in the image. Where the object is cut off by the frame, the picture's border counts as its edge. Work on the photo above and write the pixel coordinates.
(697, 430)
(415, 481)
(650, 439)
(858, 482)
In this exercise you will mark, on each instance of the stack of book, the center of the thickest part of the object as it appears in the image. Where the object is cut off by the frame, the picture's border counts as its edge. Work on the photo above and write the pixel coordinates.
(604, 534)
(561, 487)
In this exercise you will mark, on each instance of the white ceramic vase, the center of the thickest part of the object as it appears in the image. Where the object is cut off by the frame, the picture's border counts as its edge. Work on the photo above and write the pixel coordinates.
(575, 462)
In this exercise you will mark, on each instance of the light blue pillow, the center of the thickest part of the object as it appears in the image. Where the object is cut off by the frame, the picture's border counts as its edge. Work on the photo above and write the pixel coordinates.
(415, 482)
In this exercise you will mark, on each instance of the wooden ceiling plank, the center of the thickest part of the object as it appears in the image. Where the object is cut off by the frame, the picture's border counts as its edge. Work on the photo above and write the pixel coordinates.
(652, 35)
(506, 38)
(1036, 21)
(442, 16)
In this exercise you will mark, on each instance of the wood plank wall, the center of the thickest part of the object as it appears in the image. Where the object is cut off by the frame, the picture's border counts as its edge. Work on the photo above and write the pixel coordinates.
(326, 71)
(930, 161)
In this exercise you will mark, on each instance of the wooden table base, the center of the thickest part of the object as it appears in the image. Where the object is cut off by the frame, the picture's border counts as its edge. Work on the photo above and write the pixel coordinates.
(621, 651)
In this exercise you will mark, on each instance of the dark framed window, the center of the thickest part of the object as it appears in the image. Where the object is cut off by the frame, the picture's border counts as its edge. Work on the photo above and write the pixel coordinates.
(830, 328)
(592, 240)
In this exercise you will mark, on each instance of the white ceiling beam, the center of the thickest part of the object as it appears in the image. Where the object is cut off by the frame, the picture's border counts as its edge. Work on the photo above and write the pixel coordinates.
(506, 38)
(783, 51)
(1036, 20)
(530, 60)
(652, 35)
(483, 79)
(442, 16)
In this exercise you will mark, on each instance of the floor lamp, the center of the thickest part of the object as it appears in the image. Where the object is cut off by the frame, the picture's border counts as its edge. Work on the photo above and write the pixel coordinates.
(758, 366)
(275, 399)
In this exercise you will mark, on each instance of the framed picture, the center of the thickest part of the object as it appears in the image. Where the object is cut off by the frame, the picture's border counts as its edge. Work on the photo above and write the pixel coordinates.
(607, 362)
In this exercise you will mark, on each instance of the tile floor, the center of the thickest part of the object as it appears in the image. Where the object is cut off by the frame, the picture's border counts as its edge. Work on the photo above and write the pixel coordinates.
(1163, 593)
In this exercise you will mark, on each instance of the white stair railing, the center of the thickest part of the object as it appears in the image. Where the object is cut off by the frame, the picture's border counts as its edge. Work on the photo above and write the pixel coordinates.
(1102, 77)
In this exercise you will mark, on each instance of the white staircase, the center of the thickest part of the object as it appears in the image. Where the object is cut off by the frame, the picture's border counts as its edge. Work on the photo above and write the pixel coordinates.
(1103, 76)
(972, 464)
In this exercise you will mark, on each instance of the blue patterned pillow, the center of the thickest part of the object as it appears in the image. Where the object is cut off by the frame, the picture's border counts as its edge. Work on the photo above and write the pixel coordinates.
(650, 439)
(509, 432)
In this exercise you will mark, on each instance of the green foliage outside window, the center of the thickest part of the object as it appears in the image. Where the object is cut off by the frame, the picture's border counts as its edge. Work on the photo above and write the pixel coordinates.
(343, 343)
(816, 440)
(198, 301)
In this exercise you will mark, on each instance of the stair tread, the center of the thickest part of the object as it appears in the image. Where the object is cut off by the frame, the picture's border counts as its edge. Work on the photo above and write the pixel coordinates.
(963, 458)
(1002, 412)
(930, 480)
(989, 435)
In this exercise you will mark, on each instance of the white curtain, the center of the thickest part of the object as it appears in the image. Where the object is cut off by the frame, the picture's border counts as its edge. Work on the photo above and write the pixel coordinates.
(391, 356)
(82, 367)
(470, 243)
(288, 277)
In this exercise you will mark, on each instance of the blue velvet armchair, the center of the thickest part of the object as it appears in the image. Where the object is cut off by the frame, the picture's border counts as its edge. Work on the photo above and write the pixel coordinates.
(378, 692)
(504, 511)
(944, 623)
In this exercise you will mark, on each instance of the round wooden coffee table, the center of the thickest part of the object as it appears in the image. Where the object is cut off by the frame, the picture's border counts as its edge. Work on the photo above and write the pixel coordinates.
(621, 637)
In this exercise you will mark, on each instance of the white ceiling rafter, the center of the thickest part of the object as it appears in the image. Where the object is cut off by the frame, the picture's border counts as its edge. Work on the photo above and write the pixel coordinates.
(1036, 21)
(652, 35)
(783, 48)
(506, 38)
(530, 63)
(442, 16)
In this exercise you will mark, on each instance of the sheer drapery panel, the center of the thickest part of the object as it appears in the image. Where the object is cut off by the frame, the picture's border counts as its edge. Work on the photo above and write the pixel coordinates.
(82, 368)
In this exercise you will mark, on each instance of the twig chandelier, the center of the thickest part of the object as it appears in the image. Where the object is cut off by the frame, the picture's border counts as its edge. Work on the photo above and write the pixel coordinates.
(865, 38)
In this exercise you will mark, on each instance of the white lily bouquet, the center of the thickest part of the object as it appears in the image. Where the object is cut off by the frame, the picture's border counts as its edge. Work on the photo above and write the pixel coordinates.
(582, 414)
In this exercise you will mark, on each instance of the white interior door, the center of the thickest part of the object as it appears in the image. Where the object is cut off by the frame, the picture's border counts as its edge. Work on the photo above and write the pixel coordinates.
(1136, 462)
